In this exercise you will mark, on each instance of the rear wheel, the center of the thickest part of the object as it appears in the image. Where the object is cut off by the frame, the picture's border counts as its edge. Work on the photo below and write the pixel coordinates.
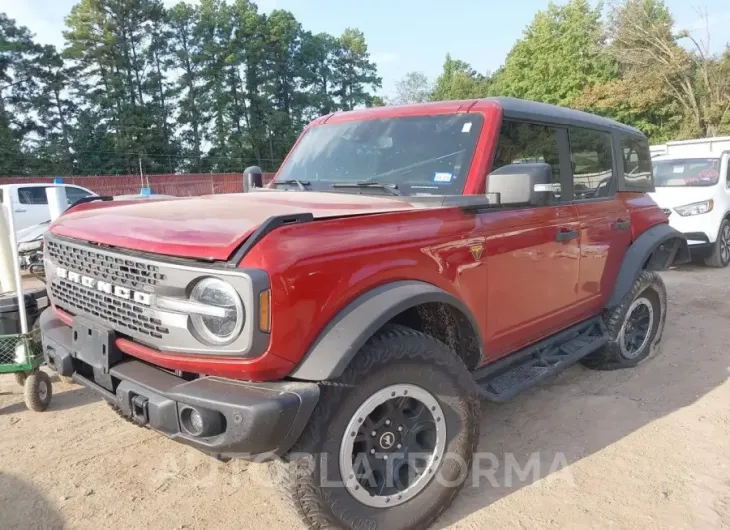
(390, 443)
(634, 327)
(720, 256)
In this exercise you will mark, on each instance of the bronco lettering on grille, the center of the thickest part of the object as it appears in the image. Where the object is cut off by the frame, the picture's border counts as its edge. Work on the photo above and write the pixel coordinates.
(105, 287)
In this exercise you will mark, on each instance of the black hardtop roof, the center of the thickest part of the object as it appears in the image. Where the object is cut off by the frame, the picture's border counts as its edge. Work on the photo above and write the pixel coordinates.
(524, 109)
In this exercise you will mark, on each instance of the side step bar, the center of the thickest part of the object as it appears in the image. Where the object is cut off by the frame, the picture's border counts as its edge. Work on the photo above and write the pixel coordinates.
(504, 379)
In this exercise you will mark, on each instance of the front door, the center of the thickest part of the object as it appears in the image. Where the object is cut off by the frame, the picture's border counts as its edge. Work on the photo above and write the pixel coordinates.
(533, 258)
(533, 253)
(30, 206)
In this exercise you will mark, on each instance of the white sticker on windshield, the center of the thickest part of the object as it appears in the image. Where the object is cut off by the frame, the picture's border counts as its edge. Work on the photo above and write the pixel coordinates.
(442, 177)
(679, 169)
(466, 128)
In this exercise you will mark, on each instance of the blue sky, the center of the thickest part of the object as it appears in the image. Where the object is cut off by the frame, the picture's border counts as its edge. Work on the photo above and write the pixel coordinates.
(406, 35)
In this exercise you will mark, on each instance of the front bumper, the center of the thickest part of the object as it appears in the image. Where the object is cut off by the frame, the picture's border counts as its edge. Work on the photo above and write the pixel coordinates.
(241, 419)
(699, 244)
(699, 229)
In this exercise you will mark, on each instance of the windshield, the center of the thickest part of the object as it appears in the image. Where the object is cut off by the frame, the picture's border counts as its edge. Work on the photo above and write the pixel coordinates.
(415, 154)
(686, 172)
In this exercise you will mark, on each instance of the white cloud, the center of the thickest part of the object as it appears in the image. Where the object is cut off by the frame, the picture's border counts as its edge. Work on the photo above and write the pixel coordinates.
(44, 18)
(267, 6)
(700, 24)
(385, 58)
(708, 32)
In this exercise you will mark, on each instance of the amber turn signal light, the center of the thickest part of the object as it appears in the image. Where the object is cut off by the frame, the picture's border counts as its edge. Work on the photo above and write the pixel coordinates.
(265, 311)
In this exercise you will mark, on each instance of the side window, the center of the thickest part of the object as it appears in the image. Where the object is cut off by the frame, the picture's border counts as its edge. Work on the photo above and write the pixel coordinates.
(73, 194)
(528, 143)
(592, 159)
(32, 195)
(727, 180)
(637, 161)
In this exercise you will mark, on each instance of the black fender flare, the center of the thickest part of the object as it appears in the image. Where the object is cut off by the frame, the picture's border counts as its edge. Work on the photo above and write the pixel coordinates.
(640, 252)
(351, 328)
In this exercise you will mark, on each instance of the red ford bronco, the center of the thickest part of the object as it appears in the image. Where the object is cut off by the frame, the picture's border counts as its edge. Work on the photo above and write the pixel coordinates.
(404, 263)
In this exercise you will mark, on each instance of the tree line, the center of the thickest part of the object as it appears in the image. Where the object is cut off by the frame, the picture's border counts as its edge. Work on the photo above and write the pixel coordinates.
(208, 87)
(631, 65)
(217, 86)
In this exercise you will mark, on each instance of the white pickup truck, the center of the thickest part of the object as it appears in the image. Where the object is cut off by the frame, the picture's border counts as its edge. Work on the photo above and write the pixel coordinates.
(692, 181)
(30, 203)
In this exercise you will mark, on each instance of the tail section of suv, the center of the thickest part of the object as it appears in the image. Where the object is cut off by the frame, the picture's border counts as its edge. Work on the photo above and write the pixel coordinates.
(405, 263)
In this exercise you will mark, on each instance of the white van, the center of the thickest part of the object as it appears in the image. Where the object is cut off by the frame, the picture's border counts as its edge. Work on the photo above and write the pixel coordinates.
(30, 204)
(692, 181)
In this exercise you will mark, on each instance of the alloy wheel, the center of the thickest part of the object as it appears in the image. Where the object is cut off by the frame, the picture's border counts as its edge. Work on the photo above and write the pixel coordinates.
(393, 445)
(636, 331)
(725, 244)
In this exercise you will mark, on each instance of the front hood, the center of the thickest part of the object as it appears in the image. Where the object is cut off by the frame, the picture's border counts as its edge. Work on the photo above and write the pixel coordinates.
(31, 233)
(209, 227)
(673, 196)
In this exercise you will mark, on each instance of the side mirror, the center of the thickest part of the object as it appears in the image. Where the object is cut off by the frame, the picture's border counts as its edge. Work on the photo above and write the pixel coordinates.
(522, 184)
(253, 177)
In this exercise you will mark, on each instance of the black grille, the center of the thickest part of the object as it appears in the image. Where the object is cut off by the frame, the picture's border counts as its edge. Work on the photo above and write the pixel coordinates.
(118, 270)
(122, 314)
(667, 211)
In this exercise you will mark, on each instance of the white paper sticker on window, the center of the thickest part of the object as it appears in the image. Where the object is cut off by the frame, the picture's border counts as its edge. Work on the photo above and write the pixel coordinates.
(466, 128)
(679, 169)
(442, 177)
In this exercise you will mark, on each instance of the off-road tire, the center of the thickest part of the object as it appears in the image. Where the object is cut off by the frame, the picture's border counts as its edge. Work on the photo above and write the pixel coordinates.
(20, 377)
(396, 355)
(650, 286)
(36, 398)
(715, 259)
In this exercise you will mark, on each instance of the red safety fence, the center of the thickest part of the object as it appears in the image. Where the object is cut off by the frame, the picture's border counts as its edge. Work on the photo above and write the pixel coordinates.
(189, 185)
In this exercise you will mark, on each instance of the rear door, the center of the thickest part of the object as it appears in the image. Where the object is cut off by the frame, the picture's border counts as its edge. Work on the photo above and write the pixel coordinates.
(605, 223)
(532, 253)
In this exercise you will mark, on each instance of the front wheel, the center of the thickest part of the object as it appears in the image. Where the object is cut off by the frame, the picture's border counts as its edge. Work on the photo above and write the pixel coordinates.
(634, 327)
(391, 442)
(720, 256)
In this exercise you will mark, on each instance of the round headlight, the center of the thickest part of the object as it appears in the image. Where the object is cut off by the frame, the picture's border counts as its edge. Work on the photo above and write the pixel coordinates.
(224, 327)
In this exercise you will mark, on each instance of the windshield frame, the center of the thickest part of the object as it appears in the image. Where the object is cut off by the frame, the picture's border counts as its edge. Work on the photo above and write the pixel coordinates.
(468, 156)
(659, 182)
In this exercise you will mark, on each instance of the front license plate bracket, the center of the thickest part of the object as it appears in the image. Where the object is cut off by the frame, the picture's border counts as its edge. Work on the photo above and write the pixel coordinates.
(95, 345)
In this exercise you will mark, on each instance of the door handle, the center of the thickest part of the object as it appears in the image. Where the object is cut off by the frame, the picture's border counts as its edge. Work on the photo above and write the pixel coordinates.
(566, 235)
(19, 211)
(621, 224)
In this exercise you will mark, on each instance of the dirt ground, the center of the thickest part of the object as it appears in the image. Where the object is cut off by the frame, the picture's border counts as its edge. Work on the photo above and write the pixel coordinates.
(643, 448)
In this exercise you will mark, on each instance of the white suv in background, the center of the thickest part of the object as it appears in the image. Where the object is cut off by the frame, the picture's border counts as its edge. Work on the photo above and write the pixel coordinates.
(30, 204)
(692, 182)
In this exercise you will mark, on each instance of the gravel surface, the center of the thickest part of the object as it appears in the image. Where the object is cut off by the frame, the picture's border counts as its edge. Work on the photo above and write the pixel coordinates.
(642, 448)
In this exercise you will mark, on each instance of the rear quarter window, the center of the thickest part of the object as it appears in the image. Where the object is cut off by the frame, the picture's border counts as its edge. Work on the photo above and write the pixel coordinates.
(637, 170)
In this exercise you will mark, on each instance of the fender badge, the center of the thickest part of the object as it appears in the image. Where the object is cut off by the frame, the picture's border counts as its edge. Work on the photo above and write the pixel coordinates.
(476, 251)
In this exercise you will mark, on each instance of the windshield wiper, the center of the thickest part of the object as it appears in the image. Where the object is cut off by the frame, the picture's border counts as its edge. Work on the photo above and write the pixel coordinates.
(390, 188)
(413, 166)
(302, 184)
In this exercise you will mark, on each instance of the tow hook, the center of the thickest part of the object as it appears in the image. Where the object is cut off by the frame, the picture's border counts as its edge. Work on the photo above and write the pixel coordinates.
(139, 410)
